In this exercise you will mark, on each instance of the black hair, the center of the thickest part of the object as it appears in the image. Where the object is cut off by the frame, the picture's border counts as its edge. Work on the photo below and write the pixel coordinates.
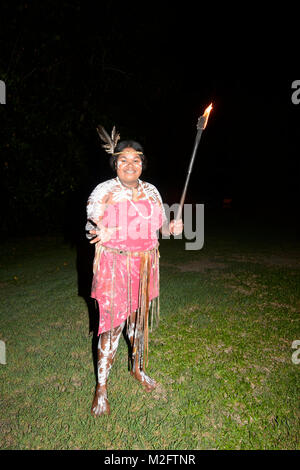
(123, 144)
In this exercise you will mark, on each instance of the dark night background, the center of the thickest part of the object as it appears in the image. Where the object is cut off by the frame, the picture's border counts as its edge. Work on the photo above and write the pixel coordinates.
(68, 68)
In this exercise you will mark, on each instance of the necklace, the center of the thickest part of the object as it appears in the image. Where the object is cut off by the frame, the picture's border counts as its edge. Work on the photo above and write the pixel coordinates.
(132, 203)
(129, 187)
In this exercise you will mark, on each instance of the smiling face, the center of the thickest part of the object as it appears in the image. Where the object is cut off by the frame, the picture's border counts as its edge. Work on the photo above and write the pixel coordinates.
(129, 167)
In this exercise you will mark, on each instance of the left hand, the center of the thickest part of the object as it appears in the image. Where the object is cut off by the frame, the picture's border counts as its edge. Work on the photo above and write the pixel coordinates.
(176, 227)
(103, 234)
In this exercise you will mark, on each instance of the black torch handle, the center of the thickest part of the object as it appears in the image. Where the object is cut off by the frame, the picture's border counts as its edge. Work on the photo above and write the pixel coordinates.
(197, 140)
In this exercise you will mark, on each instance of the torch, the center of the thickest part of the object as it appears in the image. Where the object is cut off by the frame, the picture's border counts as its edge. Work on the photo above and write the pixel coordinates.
(201, 125)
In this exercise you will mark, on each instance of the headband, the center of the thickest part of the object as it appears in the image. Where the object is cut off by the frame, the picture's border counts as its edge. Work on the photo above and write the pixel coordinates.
(128, 151)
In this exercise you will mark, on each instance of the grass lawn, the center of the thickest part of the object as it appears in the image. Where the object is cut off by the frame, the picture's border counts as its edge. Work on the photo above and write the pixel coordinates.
(222, 352)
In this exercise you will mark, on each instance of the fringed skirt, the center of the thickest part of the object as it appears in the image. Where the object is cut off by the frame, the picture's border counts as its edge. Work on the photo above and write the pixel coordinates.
(125, 282)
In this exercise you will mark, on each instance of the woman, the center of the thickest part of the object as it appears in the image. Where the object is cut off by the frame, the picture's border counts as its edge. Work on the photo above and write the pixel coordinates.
(124, 214)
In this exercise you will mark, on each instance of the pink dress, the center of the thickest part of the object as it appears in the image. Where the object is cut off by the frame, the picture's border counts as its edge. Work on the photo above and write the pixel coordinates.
(117, 275)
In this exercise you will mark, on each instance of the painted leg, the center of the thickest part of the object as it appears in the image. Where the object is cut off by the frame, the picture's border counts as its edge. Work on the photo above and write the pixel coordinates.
(137, 371)
(106, 354)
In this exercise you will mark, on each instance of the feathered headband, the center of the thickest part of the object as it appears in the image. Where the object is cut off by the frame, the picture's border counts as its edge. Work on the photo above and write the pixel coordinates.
(110, 142)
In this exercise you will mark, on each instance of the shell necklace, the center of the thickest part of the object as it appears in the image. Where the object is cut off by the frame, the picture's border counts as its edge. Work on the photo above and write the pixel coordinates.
(124, 187)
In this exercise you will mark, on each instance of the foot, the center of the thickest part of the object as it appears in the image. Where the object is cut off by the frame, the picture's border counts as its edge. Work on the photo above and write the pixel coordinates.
(146, 381)
(100, 404)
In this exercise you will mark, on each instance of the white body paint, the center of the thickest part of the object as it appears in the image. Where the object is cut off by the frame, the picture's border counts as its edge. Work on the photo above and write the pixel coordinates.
(102, 405)
(96, 206)
(147, 379)
(106, 355)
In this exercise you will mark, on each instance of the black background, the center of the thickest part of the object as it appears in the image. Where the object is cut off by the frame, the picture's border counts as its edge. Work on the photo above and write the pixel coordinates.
(151, 71)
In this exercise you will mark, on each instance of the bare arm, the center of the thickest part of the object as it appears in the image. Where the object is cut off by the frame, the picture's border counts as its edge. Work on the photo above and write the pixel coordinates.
(98, 202)
(172, 228)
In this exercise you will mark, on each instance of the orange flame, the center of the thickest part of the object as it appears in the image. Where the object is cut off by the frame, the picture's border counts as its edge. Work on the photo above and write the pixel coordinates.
(207, 113)
(208, 110)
